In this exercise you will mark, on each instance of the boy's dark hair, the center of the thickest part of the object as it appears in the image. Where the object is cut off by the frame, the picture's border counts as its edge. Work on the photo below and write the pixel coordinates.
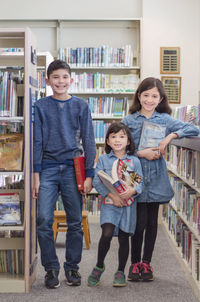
(115, 128)
(146, 84)
(58, 64)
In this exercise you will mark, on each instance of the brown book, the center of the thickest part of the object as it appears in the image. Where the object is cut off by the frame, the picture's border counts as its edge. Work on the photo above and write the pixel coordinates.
(79, 165)
(11, 152)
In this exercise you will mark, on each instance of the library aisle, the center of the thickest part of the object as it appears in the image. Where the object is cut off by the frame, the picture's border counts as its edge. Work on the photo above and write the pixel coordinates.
(171, 281)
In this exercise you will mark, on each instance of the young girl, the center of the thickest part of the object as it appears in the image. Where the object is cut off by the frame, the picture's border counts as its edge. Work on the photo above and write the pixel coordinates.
(116, 218)
(150, 103)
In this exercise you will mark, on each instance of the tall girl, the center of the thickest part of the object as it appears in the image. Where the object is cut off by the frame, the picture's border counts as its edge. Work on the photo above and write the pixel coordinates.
(116, 219)
(150, 103)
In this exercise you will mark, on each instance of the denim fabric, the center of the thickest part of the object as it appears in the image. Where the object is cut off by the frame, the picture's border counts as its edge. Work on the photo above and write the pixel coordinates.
(52, 180)
(123, 218)
(157, 187)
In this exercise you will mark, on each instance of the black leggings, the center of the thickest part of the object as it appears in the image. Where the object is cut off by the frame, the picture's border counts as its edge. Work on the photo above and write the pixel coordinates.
(104, 245)
(147, 219)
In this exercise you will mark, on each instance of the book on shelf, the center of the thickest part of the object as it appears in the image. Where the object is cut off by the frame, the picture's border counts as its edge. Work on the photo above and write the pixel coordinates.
(10, 212)
(151, 135)
(120, 179)
(11, 152)
(79, 166)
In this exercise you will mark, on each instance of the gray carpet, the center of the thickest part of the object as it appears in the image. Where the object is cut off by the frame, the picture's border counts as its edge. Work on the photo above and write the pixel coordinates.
(171, 281)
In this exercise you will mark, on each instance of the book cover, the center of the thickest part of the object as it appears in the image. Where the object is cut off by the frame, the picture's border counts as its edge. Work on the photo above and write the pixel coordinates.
(10, 212)
(151, 135)
(121, 178)
(11, 152)
(79, 165)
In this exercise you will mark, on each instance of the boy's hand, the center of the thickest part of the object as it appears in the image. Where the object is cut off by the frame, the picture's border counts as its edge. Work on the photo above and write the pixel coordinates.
(36, 185)
(87, 185)
(149, 153)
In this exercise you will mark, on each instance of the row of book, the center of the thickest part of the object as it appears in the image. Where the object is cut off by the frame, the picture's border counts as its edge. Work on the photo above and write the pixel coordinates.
(7, 127)
(189, 245)
(12, 261)
(187, 201)
(11, 95)
(102, 56)
(186, 162)
(101, 82)
(41, 79)
(100, 129)
(189, 113)
(107, 106)
(14, 49)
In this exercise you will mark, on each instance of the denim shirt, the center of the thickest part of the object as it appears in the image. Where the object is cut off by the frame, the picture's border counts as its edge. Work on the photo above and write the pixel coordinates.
(157, 187)
(105, 163)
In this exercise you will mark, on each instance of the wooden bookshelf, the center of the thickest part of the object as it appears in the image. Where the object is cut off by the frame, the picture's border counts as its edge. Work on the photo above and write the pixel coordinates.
(22, 38)
(43, 61)
(179, 216)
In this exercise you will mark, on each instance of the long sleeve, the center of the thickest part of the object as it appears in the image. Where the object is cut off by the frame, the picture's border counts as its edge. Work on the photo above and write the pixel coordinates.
(37, 142)
(181, 128)
(97, 184)
(138, 170)
(88, 141)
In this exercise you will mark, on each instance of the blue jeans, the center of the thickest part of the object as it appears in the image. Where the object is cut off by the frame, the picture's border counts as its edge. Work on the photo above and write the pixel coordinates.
(52, 180)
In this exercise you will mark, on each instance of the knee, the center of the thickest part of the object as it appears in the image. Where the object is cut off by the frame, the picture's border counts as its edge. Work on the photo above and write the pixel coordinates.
(44, 223)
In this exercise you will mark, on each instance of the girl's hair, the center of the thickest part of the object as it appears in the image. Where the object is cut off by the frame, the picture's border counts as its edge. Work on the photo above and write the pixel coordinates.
(146, 84)
(115, 128)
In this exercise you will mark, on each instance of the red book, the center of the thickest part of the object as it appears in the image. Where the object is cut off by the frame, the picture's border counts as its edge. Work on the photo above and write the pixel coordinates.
(79, 165)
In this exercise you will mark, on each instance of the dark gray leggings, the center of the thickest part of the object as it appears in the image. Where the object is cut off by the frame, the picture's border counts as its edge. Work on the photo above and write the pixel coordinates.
(147, 220)
(104, 245)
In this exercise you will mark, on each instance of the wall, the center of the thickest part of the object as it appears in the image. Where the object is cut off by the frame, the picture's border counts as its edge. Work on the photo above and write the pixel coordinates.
(173, 23)
(69, 9)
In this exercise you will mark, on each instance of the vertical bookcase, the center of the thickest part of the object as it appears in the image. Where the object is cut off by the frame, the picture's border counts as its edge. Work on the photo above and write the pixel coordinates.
(27, 62)
(182, 216)
(103, 42)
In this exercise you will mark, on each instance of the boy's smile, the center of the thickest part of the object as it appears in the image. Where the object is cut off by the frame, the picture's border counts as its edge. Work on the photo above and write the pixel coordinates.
(60, 81)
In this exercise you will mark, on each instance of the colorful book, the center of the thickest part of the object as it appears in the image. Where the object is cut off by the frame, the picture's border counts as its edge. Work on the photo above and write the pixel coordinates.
(10, 212)
(79, 165)
(121, 178)
(151, 135)
(11, 152)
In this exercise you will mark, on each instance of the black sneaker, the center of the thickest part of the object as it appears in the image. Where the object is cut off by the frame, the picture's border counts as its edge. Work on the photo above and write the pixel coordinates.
(134, 272)
(73, 278)
(51, 279)
(146, 272)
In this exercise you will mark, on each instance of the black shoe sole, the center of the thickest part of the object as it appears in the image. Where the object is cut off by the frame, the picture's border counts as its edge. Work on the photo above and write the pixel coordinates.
(73, 284)
(52, 286)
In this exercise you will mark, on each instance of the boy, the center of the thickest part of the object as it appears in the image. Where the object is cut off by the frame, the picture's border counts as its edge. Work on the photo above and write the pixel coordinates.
(61, 121)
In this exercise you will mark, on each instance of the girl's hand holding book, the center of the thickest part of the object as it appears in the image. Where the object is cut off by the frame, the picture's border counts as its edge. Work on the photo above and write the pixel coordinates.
(128, 193)
(117, 201)
(149, 153)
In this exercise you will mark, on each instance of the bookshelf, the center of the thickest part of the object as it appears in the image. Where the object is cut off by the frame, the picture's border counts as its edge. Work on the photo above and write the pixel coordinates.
(43, 61)
(104, 56)
(19, 241)
(182, 216)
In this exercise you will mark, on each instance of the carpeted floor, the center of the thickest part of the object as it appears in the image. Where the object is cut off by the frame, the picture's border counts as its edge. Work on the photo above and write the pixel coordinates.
(170, 285)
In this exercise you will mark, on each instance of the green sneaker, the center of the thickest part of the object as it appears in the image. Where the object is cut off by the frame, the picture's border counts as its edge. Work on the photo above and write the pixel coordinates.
(119, 279)
(94, 277)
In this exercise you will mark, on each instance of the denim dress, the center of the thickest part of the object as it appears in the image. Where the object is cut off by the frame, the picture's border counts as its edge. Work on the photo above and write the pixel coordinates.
(125, 217)
(156, 185)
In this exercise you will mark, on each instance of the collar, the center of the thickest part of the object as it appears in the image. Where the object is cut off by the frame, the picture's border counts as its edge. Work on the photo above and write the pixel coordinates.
(155, 114)
(112, 154)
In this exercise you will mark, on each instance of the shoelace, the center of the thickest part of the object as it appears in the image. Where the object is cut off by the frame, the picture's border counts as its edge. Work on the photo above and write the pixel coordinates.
(119, 275)
(136, 268)
(76, 274)
(146, 267)
(96, 273)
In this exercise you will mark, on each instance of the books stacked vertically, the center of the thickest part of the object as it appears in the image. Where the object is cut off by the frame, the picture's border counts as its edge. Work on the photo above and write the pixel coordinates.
(10, 212)
(97, 56)
(151, 135)
(12, 261)
(11, 152)
(121, 178)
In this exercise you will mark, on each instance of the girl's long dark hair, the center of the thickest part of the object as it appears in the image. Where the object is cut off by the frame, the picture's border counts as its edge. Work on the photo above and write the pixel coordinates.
(146, 84)
(115, 128)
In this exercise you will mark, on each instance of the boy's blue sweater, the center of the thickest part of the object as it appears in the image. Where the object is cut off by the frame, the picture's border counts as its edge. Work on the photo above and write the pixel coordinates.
(58, 128)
